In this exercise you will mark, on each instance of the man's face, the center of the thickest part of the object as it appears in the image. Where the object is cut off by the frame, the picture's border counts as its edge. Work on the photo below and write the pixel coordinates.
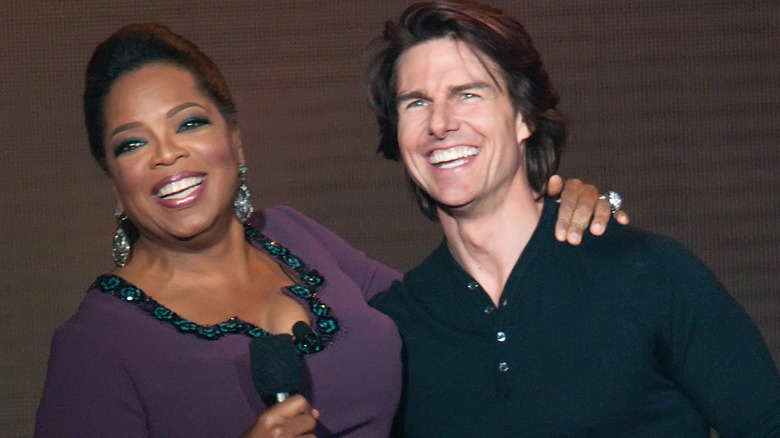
(459, 135)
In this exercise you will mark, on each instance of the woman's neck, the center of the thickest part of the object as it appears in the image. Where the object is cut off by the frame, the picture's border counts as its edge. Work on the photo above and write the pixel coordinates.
(219, 251)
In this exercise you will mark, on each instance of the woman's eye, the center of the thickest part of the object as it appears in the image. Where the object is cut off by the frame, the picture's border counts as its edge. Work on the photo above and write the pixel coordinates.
(192, 123)
(128, 145)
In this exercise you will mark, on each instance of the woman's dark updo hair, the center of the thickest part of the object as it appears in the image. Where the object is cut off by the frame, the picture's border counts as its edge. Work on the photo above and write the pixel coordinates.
(135, 46)
(491, 33)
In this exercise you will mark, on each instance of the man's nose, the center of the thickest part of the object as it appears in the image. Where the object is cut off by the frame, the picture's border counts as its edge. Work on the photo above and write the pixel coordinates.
(442, 120)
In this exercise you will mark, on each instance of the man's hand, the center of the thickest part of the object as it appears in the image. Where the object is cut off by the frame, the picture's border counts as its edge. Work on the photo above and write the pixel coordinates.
(580, 205)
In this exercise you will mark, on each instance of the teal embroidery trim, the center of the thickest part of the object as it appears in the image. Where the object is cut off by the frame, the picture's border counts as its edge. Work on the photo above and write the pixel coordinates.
(307, 290)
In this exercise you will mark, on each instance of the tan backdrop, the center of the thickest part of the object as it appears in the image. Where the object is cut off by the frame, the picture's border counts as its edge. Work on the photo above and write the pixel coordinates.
(675, 106)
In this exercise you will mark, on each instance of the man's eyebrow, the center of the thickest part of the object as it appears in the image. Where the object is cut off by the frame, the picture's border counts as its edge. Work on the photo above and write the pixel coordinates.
(476, 85)
(409, 96)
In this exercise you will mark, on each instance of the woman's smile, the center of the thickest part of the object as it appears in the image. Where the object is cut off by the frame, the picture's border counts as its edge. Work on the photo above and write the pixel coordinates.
(180, 190)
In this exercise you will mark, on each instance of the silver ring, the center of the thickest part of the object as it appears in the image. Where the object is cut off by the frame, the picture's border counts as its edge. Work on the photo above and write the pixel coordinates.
(614, 199)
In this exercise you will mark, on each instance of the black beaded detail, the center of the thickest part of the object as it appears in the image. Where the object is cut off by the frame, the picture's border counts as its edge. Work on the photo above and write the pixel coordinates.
(326, 325)
(307, 290)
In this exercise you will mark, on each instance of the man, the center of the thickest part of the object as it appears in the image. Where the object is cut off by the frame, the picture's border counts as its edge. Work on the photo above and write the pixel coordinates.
(507, 331)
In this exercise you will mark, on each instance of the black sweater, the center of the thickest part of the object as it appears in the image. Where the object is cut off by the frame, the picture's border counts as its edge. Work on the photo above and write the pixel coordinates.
(627, 334)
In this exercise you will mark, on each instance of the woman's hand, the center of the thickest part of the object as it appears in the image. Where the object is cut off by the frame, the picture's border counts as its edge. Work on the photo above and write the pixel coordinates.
(293, 417)
(580, 205)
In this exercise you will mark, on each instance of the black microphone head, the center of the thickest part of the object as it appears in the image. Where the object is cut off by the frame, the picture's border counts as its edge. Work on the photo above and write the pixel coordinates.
(277, 366)
(307, 340)
(301, 330)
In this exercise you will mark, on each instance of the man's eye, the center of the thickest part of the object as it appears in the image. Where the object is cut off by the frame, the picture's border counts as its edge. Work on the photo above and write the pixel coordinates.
(466, 96)
(192, 123)
(416, 103)
(128, 145)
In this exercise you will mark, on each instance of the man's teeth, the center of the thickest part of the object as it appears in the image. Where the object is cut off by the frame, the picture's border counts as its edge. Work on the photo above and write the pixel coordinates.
(451, 164)
(180, 188)
(452, 157)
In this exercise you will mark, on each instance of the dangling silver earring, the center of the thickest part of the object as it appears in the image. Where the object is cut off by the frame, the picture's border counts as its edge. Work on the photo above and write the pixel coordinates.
(242, 205)
(121, 249)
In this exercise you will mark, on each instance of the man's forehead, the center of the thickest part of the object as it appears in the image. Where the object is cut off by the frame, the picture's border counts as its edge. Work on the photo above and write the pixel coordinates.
(446, 59)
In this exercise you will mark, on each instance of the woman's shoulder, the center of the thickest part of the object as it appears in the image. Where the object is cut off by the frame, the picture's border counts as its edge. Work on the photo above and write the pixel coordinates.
(109, 318)
(291, 227)
(96, 327)
(281, 210)
(100, 309)
(320, 247)
(281, 217)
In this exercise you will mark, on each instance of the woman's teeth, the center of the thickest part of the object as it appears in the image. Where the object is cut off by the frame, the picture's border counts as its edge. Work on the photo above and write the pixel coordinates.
(180, 188)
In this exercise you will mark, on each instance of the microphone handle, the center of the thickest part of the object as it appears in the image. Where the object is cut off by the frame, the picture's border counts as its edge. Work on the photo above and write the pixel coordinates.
(279, 397)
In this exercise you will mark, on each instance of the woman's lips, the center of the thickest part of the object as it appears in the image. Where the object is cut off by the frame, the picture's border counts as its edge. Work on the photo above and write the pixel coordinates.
(179, 190)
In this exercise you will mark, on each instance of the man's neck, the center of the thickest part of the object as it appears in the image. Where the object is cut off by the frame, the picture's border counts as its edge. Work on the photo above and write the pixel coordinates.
(487, 245)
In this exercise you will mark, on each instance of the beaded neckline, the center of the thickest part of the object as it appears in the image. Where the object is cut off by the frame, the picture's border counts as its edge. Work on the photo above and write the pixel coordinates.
(306, 288)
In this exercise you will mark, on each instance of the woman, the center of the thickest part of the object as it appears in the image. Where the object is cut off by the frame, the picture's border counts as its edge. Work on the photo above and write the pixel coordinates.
(159, 347)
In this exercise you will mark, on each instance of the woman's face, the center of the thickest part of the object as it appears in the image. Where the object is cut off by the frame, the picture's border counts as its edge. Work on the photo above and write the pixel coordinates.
(172, 158)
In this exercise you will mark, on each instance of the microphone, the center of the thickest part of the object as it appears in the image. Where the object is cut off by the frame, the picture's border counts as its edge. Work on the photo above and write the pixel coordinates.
(305, 337)
(277, 366)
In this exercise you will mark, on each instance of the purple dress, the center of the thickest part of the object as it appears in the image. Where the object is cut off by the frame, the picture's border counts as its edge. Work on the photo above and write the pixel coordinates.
(123, 367)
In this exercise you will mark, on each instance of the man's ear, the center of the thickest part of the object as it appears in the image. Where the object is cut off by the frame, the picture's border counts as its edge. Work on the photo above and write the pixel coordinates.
(522, 130)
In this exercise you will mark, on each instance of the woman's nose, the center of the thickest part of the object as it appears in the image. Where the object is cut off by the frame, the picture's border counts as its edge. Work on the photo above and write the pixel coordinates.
(168, 151)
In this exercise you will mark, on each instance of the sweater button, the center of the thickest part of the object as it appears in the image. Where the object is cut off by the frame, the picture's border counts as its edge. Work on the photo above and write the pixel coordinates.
(472, 285)
(501, 336)
(503, 367)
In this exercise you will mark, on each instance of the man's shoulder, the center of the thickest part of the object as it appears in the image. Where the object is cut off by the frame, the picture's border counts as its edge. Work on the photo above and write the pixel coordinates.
(623, 240)
(643, 257)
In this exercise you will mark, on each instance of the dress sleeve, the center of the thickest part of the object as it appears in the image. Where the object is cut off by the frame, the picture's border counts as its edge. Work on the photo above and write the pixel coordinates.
(719, 357)
(88, 392)
(372, 276)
